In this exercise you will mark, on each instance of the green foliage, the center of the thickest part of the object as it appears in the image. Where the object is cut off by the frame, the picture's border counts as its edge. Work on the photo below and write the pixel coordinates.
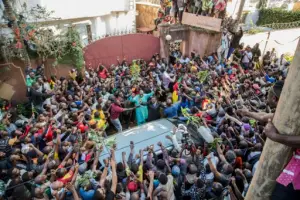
(72, 50)
(96, 136)
(135, 70)
(262, 4)
(2, 127)
(40, 39)
(196, 121)
(26, 110)
(253, 31)
(202, 76)
(213, 145)
(84, 180)
(277, 15)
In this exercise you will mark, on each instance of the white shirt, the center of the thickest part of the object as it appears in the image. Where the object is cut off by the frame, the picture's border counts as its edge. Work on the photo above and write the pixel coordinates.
(247, 57)
(281, 63)
(105, 98)
(169, 187)
(166, 79)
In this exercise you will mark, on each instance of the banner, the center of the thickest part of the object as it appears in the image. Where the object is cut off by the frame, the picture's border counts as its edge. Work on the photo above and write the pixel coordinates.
(208, 23)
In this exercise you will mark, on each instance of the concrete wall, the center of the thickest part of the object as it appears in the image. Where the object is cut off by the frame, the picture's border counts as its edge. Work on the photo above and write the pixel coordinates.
(193, 40)
(146, 15)
(203, 43)
(132, 46)
(14, 76)
(66, 9)
(116, 22)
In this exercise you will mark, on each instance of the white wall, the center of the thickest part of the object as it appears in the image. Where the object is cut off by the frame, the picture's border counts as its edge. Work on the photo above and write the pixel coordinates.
(67, 9)
(107, 16)
(113, 23)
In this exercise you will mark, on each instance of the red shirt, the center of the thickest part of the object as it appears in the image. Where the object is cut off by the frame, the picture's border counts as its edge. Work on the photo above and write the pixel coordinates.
(103, 74)
(115, 111)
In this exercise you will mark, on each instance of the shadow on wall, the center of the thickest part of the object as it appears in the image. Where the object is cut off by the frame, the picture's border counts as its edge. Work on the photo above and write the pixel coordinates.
(203, 43)
(14, 77)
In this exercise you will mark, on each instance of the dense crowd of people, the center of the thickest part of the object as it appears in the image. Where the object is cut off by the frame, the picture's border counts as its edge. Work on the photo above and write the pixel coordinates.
(171, 11)
(51, 155)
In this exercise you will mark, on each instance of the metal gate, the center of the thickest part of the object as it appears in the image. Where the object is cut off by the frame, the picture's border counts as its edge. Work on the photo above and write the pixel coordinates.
(132, 46)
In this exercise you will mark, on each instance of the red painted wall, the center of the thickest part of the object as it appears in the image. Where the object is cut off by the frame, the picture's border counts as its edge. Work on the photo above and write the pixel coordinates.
(132, 46)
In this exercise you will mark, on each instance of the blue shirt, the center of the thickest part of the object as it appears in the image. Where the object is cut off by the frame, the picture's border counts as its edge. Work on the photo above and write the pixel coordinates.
(171, 111)
(86, 195)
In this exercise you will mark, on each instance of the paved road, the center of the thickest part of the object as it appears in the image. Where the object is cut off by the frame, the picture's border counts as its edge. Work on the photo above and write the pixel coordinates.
(284, 37)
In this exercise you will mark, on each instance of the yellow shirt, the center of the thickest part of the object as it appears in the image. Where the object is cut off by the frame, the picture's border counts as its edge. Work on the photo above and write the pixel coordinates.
(102, 116)
(100, 121)
(73, 75)
(168, 3)
(139, 173)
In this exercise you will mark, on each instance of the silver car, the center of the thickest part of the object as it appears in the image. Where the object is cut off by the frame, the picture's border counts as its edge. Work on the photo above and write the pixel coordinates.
(148, 134)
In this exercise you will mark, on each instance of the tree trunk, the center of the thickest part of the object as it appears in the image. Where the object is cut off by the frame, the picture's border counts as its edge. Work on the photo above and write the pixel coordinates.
(275, 156)
(11, 16)
(240, 11)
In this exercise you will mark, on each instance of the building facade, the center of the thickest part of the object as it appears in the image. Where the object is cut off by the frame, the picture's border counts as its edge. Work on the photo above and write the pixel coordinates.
(94, 19)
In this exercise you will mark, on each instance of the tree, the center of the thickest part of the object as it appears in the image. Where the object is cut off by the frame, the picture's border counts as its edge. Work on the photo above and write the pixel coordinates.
(262, 4)
(39, 39)
(275, 156)
(72, 48)
(18, 32)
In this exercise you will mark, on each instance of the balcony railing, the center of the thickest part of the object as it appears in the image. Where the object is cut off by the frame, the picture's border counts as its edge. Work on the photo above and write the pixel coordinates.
(157, 2)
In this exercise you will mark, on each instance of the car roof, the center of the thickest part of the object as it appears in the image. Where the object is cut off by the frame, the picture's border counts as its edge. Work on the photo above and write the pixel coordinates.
(145, 135)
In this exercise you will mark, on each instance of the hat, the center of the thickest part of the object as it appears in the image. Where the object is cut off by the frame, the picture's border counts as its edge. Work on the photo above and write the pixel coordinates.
(132, 186)
(175, 170)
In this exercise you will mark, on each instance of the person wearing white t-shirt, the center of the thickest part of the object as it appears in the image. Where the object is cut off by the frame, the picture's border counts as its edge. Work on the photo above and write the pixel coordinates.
(247, 58)
(166, 78)
(281, 63)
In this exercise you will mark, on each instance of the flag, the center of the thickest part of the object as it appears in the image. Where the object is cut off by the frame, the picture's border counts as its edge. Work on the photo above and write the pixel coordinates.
(49, 134)
(175, 92)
